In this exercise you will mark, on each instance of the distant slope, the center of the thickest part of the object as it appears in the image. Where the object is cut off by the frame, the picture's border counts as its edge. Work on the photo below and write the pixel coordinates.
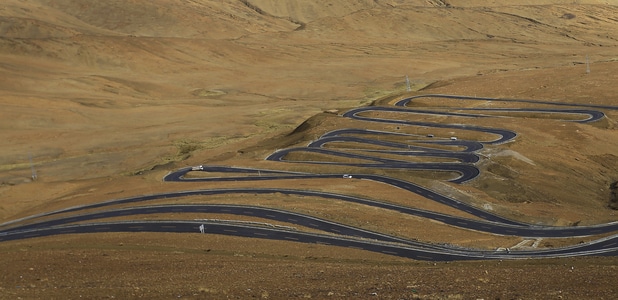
(310, 10)
(158, 18)
(243, 37)
(594, 24)
(493, 3)
(307, 11)
(142, 39)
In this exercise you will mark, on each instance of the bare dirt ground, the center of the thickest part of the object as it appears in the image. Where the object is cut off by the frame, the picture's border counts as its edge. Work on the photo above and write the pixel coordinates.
(106, 97)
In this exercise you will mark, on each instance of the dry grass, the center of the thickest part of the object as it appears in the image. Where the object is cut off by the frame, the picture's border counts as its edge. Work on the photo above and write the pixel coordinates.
(109, 97)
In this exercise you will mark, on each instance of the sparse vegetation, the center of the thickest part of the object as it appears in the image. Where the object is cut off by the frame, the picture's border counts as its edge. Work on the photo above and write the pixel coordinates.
(105, 89)
(613, 195)
(186, 147)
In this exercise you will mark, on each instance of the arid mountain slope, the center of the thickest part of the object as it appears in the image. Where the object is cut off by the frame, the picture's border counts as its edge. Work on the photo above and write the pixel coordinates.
(121, 86)
(103, 98)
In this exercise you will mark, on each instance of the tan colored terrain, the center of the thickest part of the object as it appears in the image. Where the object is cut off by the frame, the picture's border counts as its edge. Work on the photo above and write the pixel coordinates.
(109, 96)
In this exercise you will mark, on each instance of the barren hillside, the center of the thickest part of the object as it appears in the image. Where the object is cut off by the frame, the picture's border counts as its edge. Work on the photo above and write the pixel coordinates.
(88, 58)
(103, 98)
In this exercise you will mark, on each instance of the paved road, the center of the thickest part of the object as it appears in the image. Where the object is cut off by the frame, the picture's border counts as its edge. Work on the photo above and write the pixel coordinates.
(601, 247)
(497, 227)
(460, 154)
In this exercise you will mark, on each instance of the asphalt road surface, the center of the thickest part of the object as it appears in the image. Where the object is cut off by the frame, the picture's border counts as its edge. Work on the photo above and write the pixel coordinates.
(455, 156)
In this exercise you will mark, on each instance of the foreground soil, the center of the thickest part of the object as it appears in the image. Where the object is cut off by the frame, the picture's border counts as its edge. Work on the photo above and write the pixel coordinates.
(196, 267)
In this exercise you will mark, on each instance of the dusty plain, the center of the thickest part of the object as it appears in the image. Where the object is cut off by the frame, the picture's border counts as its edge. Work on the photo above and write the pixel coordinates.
(106, 97)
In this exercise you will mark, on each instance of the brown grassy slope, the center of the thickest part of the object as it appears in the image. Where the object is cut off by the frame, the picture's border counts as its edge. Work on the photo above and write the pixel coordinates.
(94, 104)
(564, 163)
(125, 91)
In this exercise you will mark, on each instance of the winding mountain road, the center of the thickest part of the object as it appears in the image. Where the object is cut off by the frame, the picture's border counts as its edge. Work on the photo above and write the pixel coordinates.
(460, 156)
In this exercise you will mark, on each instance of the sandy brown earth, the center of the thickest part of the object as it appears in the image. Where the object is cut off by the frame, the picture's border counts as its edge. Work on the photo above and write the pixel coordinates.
(107, 97)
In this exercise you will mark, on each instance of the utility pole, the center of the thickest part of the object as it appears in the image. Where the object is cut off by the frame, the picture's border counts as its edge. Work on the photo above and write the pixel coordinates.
(408, 88)
(32, 167)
